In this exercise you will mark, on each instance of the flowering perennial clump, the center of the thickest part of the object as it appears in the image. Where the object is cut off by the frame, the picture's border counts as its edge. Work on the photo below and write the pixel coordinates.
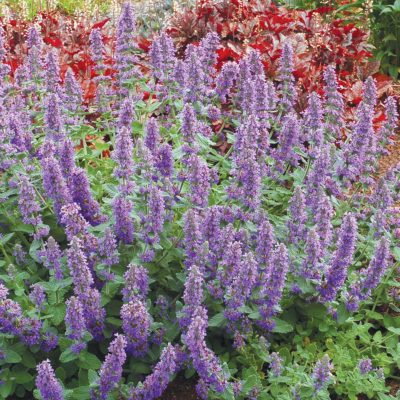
(189, 221)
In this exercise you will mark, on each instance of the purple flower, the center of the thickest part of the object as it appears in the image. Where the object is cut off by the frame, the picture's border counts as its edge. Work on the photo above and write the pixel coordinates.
(19, 254)
(75, 324)
(208, 53)
(155, 384)
(311, 267)
(193, 295)
(322, 373)
(199, 180)
(123, 155)
(322, 219)
(81, 194)
(318, 177)
(162, 56)
(312, 122)
(33, 38)
(53, 119)
(37, 296)
(154, 221)
(66, 153)
(195, 78)
(189, 124)
(204, 361)
(365, 366)
(73, 96)
(371, 276)
(287, 83)
(246, 185)
(265, 241)
(337, 271)
(54, 184)
(108, 248)
(226, 79)
(193, 236)
(125, 116)
(123, 221)
(272, 286)
(125, 59)
(152, 137)
(52, 72)
(46, 382)
(237, 293)
(298, 216)
(334, 106)
(93, 312)
(164, 160)
(289, 138)
(136, 326)
(76, 225)
(136, 283)
(377, 267)
(359, 155)
(78, 267)
(111, 370)
(27, 203)
(370, 95)
(51, 257)
(275, 364)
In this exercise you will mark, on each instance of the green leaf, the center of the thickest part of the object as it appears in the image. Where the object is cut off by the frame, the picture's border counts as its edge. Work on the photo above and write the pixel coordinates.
(12, 357)
(93, 377)
(67, 356)
(22, 377)
(394, 330)
(5, 238)
(89, 361)
(282, 326)
(81, 393)
(217, 321)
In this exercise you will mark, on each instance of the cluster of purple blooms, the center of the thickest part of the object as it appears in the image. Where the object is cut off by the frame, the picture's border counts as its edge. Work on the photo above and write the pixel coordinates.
(236, 255)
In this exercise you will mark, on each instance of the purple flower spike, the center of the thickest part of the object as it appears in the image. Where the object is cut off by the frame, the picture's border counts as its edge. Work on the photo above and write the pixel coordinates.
(155, 384)
(52, 72)
(108, 248)
(199, 181)
(54, 184)
(365, 366)
(125, 58)
(298, 216)
(47, 384)
(51, 257)
(152, 137)
(334, 106)
(111, 370)
(337, 271)
(205, 362)
(136, 283)
(226, 79)
(123, 221)
(287, 85)
(192, 296)
(322, 373)
(272, 287)
(136, 326)
(311, 268)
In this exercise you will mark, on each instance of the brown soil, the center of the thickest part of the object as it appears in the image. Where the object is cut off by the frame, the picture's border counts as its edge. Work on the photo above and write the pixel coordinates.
(392, 159)
(181, 389)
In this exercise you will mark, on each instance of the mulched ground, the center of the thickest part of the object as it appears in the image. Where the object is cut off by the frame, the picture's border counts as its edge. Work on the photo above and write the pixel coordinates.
(181, 389)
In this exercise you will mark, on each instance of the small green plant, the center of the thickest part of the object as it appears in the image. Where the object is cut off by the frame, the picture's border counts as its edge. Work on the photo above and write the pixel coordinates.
(385, 28)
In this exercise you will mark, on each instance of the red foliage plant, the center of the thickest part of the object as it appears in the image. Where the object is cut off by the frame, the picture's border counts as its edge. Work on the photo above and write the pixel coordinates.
(259, 24)
(70, 36)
